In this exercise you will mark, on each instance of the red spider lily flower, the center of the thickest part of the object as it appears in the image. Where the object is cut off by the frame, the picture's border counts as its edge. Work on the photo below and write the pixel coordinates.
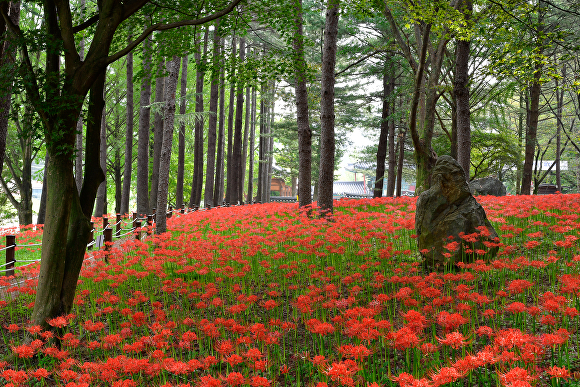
(318, 360)
(34, 329)
(23, 351)
(516, 307)
(415, 320)
(259, 381)
(284, 369)
(450, 321)
(404, 379)
(209, 381)
(404, 338)
(428, 348)
(446, 375)
(455, 340)
(234, 379)
(516, 374)
(40, 373)
(16, 377)
(234, 359)
(342, 371)
(12, 328)
(224, 347)
(558, 372)
(58, 322)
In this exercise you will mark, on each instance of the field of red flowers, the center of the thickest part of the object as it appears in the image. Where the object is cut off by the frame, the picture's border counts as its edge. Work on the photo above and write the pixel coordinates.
(262, 295)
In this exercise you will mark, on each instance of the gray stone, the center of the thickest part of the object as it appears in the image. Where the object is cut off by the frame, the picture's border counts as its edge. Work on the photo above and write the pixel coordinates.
(447, 210)
(487, 186)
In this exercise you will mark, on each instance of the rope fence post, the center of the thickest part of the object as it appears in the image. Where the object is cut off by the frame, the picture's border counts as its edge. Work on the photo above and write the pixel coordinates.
(92, 237)
(154, 214)
(183, 208)
(149, 224)
(105, 222)
(10, 255)
(108, 233)
(170, 212)
(137, 225)
(118, 221)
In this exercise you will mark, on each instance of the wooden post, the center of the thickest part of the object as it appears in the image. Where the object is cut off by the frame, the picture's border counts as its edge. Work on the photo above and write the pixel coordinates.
(118, 225)
(170, 213)
(137, 225)
(92, 237)
(149, 224)
(105, 222)
(183, 208)
(10, 256)
(154, 214)
(108, 233)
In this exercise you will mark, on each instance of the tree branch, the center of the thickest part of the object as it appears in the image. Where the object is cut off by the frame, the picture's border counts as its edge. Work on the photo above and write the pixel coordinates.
(162, 27)
(404, 47)
(8, 193)
(357, 62)
(86, 24)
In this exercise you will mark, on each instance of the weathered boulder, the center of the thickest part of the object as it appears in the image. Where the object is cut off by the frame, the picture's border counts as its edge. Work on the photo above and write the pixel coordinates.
(451, 225)
(487, 186)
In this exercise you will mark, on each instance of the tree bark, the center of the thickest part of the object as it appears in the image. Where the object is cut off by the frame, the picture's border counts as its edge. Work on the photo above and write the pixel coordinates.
(229, 161)
(245, 143)
(392, 155)
(157, 135)
(181, 136)
(302, 114)
(218, 195)
(209, 199)
(165, 154)
(327, 143)
(101, 202)
(128, 167)
(143, 144)
(236, 192)
(197, 184)
(252, 148)
(262, 146)
(7, 61)
(42, 208)
(270, 152)
(401, 145)
(559, 123)
(383, 137)
(461, 91)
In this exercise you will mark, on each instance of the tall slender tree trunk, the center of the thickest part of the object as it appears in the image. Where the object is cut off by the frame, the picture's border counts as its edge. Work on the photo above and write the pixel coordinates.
(384, 135)
(559, 123)
(165, 156)
(7, 61)
(117, 180)
(212, 124)
(229, 161)
(181, 137)
(327, 143)
(101, 202)
(302, 114)
(461, 91)
(270, 143)
(157, 137)
(400, 162)
(252, 150)
(245, 143)
(519, 165)
(262, 146)
(128, 139)
(143, 144)
(219, 176)
(392, 155)
(79, 139)
(42, 207)
(236, 193)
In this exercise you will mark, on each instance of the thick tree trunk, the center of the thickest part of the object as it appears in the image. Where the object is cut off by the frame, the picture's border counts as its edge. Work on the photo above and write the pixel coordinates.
(229, 159)
(7, 61)
(79, 139)
(101, 202)
(327, 144)
(165, 156)
(157, 137)
(209, 199)
(143, 144)
(197, 183)
(383, 137)
(181, 137)
(128, 167)
(533, 114)
(252, 149)
(236, 193)
(461, 91)
(302, 115)
(218, 195)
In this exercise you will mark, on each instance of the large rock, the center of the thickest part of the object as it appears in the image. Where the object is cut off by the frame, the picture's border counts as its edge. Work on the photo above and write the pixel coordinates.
(444, 212)
(487, 186)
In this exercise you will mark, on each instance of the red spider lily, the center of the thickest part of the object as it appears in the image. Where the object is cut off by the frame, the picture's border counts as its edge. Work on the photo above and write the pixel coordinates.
(454, 340)
(516, 374)
(234, 379)
(558, 372)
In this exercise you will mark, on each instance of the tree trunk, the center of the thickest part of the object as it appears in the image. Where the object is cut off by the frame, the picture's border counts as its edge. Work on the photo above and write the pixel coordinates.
(42, 208)
(261, 146)
(101, 205)
(392, 156)
(197, 184)
(327, 144)
(229, 161)
(400, 162)
(245, 143)
(212, 124)
(520, 134)
(128, 140)
(143, 144)
(165, 156)
(79, 139)
(252, 148)
(270, 153)
(7, 61)
(302, 115)
(118, 180)
(383, 137)
(181, 136)
(461, 91)
(559, 123)
(236, 193)
(157, 136)
(218, 195)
